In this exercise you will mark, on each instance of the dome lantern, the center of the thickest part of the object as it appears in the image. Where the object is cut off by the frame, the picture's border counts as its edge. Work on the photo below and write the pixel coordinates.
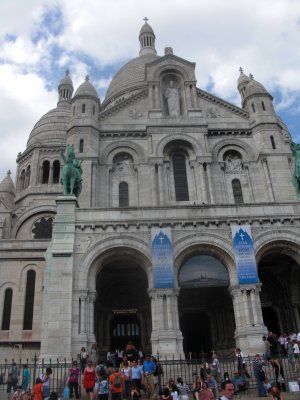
(147, 39)
(65, 88)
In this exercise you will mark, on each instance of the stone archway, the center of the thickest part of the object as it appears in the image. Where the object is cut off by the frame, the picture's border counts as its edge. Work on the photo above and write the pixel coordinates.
(205, 306)
(279, 273)
(122, 306)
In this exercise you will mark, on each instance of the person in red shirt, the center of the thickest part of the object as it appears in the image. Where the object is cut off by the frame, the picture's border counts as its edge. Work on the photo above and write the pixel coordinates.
(37, 390)
(116, 385)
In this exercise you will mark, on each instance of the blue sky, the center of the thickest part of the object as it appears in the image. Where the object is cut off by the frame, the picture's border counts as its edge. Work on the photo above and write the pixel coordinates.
(40, 39)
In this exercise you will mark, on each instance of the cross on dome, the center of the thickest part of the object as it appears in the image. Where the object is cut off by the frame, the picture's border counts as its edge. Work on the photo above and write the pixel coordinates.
(145, 19)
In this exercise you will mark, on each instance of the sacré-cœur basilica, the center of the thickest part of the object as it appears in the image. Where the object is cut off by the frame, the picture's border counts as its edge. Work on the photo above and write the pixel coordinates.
(158, 158)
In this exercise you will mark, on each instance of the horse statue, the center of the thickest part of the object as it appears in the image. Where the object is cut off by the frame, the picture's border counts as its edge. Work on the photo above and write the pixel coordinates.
(71, 173)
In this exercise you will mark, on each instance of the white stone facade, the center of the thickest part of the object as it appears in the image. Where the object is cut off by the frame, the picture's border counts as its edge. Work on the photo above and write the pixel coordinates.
(212, 165)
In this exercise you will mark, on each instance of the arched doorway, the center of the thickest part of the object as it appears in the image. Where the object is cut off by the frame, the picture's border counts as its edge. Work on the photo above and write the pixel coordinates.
(122, 307)
(279, 274)
(205, 307)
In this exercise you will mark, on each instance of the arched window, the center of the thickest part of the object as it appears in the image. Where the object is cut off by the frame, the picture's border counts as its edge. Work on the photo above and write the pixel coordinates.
(81, 144)
(253, 107)
(94, 109)
(273, 142)
(45, 171)
(263, 106)
(22, 179)
(237, 191)
(180, 177)
(29, 300)
(7, 309)
(123, 195)
(83, 108)
(56, 171)
(27, 176)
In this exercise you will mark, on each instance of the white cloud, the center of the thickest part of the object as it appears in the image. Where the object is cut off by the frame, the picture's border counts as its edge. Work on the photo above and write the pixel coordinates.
(220, 36)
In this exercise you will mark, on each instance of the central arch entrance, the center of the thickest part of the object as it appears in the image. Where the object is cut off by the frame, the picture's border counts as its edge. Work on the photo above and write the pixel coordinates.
(205, 307)
(122, 307)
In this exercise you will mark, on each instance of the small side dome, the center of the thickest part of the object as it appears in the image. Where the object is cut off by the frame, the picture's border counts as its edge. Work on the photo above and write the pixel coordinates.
(7, 185)
(255, 87)
(243, 79)
(86, 89)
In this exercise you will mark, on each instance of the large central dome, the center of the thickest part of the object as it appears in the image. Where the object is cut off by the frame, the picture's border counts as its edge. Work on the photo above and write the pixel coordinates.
(132, 75)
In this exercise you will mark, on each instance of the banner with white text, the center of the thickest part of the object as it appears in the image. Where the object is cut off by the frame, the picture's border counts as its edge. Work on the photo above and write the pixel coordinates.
(244, 254)
(162, 258)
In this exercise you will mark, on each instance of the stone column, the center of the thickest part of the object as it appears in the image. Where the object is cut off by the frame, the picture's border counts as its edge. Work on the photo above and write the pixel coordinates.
(161, 184)
(210, 185)
(297, 318)
(254, 306)
(203, 183)
(248, 316)
(153, 184)
(94, 186)
(91, 323)
(83, 313)
(268, 180)
(166, 340)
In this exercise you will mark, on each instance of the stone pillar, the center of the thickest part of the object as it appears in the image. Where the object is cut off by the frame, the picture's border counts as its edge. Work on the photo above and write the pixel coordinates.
(94, 187)
(248, 316)
(210, 185)
(161, 184)
(83, 312)
(91, 323)
(165, 340)
(57, 312)
(268, 180)
(153, 184)
(297, 318)
(203, 183)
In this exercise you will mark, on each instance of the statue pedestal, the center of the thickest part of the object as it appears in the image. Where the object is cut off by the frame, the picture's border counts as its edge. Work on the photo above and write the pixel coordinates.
(58, 283)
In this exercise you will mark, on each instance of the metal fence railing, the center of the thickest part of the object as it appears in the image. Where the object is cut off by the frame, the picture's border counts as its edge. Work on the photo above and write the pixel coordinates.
(188, 369)
(36, 367)
(172, 368)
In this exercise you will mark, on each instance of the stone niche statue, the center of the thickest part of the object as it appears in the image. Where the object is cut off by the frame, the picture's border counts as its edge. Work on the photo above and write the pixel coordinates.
(71, 173)
(173, 100)
(296, 176)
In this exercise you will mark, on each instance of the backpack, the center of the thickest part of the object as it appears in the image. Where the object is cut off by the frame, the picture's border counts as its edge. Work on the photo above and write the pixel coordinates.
(117, 381)
(100, 370)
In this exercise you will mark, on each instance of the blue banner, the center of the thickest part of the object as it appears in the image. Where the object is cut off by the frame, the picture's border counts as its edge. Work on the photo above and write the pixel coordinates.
(162, 258)
(244, 254)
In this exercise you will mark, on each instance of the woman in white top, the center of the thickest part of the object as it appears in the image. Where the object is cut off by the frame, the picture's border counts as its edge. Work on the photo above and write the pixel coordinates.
(296, 354)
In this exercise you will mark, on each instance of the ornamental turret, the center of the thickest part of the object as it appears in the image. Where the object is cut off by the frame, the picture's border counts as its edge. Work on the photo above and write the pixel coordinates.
(147, 39)
(65, 88)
